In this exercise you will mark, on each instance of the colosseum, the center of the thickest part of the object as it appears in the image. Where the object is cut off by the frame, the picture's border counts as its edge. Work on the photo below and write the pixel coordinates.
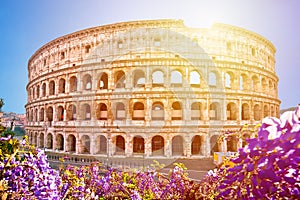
(152, 88)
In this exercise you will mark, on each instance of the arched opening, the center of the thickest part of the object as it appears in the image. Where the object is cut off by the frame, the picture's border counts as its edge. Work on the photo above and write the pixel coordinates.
(139, 78)
(41, 140)
(85, 144)
(176, 78)
(101, 143)
(266, 111)
(196, 111)
(60, 113)
(196, 145)
(49, 141)
(51, 88)
(176, 111)
(138, 144)
(44, 89)
(71, 143)
(73, 84)
(60, 142)
(214, 111)
(231, 111)
(50, 114)
(62, 86)
(120, 111)
(255, 83)
(214, 146)
(86, 112)
(245, 111)
(87, 82)
(103, 81)
(120, 79)
(212, 79)
(195, 79)
(232, 144)
(157, 79)
(71, 112)
(158, 112)
(42, 112)
(257, 115)
(38, 91)
(244, 82)
(101, 111)
(120, 145)
(138, 111)
(229, 80)
(264, 85)
(36, 115)
(177, 146)
(158, 145)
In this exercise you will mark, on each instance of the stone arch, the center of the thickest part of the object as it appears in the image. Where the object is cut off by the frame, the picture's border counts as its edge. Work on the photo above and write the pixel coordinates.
(49, 141)
(229, 80)
(62, 85)
(158, 112)
(101, 144)
(212, 79)
(51, 87)
(101, 112)
(244, 82)
(103, 81)
(41, 140)
(44, 89)
(87, 82)
(73, 84)
(138, 78)
(60, 142)
(85, 144)
(120, 111)
(60, 113)
(214, 144)
(196, 145)
(120, 79)
(232, 111)
(177, 145)
(176, 78)
(120, 144)
(195, 79)
(138, 111)
(158, 145)
(196, 111)
(42, 112)
(232, 143)
(157, 78)
(38, 91)
(245, 111)
(71, 112)
(245, 137)
(71, 143)
(138, 144)
(215, 111)
(36, 115)
(86, 111)
(50, 113)
(264, 84)
(255, 83)
(256, 110)
(176, 111)
(266, 111)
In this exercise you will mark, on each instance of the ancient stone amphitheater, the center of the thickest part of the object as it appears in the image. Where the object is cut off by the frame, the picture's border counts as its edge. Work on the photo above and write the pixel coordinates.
(153, 88)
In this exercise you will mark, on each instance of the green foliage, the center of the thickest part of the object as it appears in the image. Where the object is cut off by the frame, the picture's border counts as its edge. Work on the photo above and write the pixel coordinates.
(1, 104)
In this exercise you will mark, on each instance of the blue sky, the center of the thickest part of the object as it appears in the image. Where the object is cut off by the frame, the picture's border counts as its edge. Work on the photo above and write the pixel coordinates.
(27, 25)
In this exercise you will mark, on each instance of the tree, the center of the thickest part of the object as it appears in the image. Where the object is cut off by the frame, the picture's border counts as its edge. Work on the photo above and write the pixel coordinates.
(1, 104)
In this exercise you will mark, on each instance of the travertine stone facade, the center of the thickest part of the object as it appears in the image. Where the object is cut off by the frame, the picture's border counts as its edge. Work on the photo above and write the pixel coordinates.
(154, 87)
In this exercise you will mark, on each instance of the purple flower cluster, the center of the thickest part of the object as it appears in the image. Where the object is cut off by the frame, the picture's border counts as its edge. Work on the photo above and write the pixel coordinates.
(267, 168)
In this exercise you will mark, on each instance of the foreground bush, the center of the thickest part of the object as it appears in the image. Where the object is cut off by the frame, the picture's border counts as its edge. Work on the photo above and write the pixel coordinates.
(267, 168)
